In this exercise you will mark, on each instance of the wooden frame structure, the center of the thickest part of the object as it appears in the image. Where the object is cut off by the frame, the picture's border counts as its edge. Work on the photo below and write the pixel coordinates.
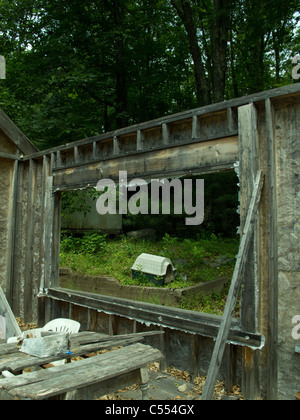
(261, 132)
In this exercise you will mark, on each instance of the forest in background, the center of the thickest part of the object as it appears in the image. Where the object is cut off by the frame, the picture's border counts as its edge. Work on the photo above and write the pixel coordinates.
(77, 68)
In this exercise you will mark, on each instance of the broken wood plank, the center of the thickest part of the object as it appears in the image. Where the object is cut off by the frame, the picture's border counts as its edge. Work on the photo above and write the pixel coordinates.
(12, 327)
(90, 337)
(219, 349)
(19, 361)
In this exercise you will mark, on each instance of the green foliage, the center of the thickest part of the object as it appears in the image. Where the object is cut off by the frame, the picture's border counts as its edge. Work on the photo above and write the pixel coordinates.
(119, 255)
(88, 244)
(77, 69)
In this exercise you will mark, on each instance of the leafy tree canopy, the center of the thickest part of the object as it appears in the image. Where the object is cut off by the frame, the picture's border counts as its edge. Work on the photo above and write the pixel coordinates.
(77, 69)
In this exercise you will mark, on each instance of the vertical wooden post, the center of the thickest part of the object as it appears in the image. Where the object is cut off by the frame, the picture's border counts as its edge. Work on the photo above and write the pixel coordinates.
(48, 243)
(29, 240)
(165, 134)
(18, 243)
(95, 150)
(272, 323)
(195, 127)
(42, 299)
(195, 350)
(139, 141)
(10, 283)
(248, 145)
(116, 146)
(76, 155)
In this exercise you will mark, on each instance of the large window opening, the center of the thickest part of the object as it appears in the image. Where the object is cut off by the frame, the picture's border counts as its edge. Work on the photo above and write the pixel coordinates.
(97, 253)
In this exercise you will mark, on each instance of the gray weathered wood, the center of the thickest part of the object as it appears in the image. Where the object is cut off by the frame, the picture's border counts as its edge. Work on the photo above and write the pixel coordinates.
(271, 174)
(206, 325)
(250, 162)
(196, 157)
(29, 240)
(18, 244)
(12, 328)
(8, 156)
(14, 133)
(218, 352)
(80, 344)
(248, 141)
(10, 283)
(88, 338)
(81, 374)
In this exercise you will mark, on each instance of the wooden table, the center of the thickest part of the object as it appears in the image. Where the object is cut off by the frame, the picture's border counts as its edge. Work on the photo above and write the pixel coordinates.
(88, 378)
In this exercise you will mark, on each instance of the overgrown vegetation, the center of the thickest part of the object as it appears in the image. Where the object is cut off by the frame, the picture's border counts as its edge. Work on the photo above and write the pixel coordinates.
(95, 254)
(194, 252)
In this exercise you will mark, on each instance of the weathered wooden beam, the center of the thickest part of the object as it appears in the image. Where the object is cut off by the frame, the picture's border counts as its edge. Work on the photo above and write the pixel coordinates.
(29, 240)
(9, 156)
(48, 232)
(197, 157)
(165, 134)
(116, 148)
(10, 282)
(18, 242)
(249, 165)
(95, 150)
(222, 338)
(273, 287)
(15, 134)
(76, 155)
(205, 325)
(195, 127)
(12, 327)
(139, 141)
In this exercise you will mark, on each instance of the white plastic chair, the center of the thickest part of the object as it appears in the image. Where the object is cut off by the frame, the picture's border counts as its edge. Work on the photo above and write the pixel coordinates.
(62, 325)
(56, 325)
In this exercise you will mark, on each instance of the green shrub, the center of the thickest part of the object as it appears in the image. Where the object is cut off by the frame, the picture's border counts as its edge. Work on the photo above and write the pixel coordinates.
(88, 244)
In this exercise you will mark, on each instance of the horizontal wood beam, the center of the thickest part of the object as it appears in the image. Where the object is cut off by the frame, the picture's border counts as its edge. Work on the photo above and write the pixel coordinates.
(191, 322)
(8, 156)
(203, 157)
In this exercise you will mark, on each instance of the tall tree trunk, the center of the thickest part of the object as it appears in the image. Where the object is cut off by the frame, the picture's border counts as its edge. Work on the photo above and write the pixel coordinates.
(185, 13)
(121, 83)
(233, 71)
(219, 32)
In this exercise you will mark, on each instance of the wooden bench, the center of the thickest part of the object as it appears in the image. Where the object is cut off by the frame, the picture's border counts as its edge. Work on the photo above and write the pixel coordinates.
(87, 378)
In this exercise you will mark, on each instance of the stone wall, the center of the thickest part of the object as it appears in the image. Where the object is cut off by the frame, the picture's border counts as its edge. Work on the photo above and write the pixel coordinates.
(288, 197)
